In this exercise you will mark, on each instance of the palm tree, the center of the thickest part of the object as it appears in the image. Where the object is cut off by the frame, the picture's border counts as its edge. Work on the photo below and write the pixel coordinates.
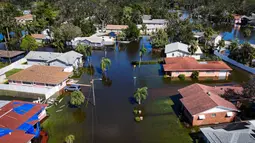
(233, 45)
(69, 139)
(142, 52)
(85, 50)
(144, 29)
(141, 94)
(221, 44)
(105, 64)
(193, 47)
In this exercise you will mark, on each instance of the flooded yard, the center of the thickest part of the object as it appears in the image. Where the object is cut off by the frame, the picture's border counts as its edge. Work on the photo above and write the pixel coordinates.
(112, 119)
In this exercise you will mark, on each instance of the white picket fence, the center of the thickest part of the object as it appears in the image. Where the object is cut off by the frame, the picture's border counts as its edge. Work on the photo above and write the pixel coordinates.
(235, 63)
(47, 92)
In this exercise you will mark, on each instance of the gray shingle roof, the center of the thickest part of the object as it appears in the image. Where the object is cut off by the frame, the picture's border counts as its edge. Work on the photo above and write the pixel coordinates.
(221, 135)
(177, 46)
(67, 58)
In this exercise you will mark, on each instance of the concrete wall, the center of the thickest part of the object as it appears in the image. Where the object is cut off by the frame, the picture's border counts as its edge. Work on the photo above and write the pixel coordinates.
(17, 65)
(202, 74)
(221, 117)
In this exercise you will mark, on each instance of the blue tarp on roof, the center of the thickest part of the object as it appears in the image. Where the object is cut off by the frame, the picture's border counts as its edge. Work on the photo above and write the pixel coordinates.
(1, 37)
(35, 117)
(23, 108)
(112, 34)
(4, 131)
(25, 127)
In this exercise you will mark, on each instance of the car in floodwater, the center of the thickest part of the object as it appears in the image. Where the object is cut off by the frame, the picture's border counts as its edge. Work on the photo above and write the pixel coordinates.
(72, 88)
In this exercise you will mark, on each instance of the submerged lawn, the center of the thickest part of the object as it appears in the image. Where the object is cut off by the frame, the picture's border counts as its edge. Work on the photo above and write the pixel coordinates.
(161, 124)
(63, 123)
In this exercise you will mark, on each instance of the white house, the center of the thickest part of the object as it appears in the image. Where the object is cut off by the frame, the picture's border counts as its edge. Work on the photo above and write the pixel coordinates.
(23, 19)
(94, 41)
(66, 60)
(178, 49)
(152, 24)
(115, 28)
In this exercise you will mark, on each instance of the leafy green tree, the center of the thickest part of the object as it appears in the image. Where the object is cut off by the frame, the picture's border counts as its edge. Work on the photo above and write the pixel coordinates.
(244, 55)
(248, 89)
(160, 39)
(208, 34)
(87, 26)
(221, 44)
(132, 32)
(195, 74)
(127, 15)
(141, 94)
(69, 139)
(193, 47)
(77, 98)
(105, 64)
(29, 43)
(143, 50)
(247, 32)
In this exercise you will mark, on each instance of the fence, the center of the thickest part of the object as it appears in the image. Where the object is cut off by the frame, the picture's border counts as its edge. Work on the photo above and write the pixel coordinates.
(17, 65)
(47, 92)
(235, 63)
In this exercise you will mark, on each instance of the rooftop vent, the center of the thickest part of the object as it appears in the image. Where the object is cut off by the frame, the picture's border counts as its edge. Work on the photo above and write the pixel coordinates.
(208, 93)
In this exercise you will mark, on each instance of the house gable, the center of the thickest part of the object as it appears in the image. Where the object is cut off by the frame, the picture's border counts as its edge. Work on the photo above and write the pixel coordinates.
(217, 110)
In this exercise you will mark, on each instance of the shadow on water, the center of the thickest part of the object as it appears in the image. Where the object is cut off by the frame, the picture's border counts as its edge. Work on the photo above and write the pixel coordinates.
(132, 100)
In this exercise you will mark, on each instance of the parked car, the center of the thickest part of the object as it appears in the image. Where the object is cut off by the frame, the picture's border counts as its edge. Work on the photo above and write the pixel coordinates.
(72, 88)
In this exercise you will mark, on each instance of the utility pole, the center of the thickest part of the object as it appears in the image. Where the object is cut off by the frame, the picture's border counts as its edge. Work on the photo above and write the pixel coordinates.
(93, 90)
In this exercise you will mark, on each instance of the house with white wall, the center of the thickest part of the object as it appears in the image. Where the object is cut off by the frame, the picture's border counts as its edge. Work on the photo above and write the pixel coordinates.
(39, 76)
(179, 49)
(25, 18)
(66, 60)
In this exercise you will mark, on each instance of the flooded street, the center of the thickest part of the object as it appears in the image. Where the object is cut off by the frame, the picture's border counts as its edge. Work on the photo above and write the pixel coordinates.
(112, 119)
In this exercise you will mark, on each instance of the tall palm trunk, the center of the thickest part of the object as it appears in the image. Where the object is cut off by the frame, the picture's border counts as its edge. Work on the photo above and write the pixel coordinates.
(6, 47)
(139, 101)
(8, 35)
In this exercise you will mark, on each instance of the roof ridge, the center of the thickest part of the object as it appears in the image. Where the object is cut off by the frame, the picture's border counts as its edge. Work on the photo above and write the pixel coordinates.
(206, 92)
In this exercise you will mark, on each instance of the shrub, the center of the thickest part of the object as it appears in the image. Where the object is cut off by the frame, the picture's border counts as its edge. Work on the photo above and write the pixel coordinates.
(166, 76)
(181, 77)
(135, 111)
(195, 74)
(77, 98)
(137, 119)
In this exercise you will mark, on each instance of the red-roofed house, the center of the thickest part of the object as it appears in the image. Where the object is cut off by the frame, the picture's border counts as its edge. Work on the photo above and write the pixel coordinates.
(186, 65)
(25, 18)
(20, 121)
(203, 105)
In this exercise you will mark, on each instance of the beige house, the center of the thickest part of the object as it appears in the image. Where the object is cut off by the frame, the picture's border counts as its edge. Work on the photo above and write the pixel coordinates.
(187, 65)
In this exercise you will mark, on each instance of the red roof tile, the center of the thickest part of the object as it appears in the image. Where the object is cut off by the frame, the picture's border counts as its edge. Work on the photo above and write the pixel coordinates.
(38, 36)
(25, 17)
(12, 120)
(198, 98)
(190, 64)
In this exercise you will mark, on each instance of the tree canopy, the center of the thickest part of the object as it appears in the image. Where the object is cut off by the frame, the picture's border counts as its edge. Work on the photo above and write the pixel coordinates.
(28, 43)
(77, 98)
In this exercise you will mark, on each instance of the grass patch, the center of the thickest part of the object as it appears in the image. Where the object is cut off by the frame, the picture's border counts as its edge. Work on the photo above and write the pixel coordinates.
(2, 65)
(65, 122)
(160, 124)
(11, 72)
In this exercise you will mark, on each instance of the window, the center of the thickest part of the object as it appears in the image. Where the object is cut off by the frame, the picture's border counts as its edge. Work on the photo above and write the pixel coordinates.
(213, 115)
(201, 117)
(173, 54)
(229, 114)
